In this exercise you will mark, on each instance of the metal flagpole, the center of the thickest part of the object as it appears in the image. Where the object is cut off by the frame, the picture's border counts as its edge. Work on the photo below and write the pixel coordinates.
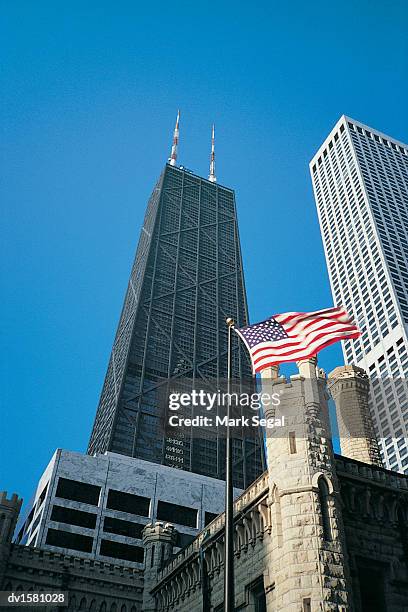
(204, 576)
(229, 598)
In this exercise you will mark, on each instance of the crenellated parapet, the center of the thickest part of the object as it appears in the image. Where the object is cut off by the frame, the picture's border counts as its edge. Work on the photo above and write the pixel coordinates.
(14, 503)
(9, 512)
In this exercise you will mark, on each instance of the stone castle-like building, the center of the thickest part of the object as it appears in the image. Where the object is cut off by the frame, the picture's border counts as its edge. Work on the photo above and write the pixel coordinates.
(317, 531)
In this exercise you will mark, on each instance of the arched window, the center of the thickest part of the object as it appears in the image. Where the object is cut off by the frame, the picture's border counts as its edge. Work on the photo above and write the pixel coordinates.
(324, 498)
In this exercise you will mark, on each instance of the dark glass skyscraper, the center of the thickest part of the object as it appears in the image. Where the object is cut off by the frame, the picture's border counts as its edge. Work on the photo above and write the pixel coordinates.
(186, 279)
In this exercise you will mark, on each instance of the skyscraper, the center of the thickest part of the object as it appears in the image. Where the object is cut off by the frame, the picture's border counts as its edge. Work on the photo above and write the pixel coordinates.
(186, 279)
(360, 182)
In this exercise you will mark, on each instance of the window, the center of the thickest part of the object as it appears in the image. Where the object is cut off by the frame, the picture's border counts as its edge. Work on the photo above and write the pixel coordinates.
(371, 583)
(36, 522)
(78, 491)
(125, 528)
(257, 595)
(152, 556)
(184, 539)
(118, 550)
(128, 502)
(174, 513)
(209, 516)
(292, 442)
(307, 604)
(73, 517)
(42, 496)
(30, 517)
(65, 539)
(324, 498)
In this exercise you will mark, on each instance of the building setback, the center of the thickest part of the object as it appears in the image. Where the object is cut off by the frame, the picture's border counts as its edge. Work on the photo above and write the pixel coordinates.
(360, 182)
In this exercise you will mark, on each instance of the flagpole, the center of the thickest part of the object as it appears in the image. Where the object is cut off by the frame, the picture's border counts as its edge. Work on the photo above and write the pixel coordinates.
(229, 597)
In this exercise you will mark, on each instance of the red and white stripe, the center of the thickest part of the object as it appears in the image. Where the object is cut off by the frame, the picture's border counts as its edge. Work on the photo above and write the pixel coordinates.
(308, 333)
(173, 155)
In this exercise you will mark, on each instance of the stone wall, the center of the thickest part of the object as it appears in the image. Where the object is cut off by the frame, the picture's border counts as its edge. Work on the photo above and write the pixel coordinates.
(375, 515)
(92, 585)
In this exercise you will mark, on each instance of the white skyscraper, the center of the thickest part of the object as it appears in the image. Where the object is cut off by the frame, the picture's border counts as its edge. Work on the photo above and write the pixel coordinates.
(360, 182)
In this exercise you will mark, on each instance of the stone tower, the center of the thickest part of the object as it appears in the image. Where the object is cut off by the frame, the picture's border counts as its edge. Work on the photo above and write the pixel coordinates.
(158, 540)
(349, 387)
(9, 511)
(308, 551)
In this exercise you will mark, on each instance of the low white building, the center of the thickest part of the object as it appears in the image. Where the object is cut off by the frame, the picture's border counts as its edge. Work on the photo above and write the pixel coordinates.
(98, 506)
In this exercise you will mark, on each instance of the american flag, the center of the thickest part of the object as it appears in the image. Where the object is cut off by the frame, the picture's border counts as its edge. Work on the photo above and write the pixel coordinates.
(293, 336)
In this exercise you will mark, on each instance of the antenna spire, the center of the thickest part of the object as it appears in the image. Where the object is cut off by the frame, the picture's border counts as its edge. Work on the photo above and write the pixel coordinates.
(212, 176)
(173, 155)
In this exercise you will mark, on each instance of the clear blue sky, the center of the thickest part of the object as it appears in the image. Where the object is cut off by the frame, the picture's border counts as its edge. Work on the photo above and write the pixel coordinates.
(90, 92)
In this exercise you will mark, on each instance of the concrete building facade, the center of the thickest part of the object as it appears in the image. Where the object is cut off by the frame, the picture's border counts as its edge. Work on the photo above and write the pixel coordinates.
(98, 506)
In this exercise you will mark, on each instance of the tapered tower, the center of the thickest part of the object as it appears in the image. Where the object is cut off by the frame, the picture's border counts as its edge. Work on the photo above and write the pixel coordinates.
(187, 277)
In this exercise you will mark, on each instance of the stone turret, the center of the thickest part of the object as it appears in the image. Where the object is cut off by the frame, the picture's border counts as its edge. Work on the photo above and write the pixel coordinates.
(9, 511)
(158, 540)
(349, 387)
(308, 551)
